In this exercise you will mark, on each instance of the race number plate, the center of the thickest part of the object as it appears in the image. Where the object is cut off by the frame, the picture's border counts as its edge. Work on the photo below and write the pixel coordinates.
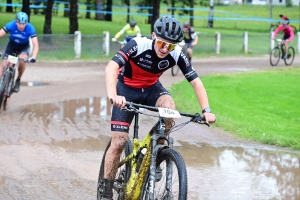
(12, 59)
(169, 113)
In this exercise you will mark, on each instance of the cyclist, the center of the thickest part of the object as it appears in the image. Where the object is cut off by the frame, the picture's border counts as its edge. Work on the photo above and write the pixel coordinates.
(288, 34)
(133, 75)
(190, 38)
(132, 30)
(20, 32)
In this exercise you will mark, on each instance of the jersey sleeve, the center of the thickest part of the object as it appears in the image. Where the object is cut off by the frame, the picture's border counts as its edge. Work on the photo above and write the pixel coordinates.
(124, 54)
(31, 30)
(186, 67)
(291, 33)
(8, 27)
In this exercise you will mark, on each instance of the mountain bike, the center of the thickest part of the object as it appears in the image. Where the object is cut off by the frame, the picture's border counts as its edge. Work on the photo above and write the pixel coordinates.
(7, 79)
(279, 51)
(175, 68)
(150, 169)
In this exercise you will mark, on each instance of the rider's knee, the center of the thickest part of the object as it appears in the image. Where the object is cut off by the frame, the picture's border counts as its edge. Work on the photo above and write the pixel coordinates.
(118, 143)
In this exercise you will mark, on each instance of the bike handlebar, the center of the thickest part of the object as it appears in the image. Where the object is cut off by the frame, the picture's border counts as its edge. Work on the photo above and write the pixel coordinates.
(25, 60)
(197, 118)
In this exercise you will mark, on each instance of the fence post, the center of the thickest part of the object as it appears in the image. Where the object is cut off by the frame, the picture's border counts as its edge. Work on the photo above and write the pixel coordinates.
(218, 42)
(298, 34)
(77, 44)
(245, 45)
(272, 42)
(106, 43)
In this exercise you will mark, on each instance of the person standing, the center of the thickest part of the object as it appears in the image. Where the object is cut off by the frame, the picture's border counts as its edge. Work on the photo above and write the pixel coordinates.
(20, 32)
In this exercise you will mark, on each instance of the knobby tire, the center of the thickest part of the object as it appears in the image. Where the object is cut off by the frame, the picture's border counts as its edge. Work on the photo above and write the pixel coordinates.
(122, 176)
(275, 56)
(175, 70)
(179, 177)
(3, 88)
(291, 56)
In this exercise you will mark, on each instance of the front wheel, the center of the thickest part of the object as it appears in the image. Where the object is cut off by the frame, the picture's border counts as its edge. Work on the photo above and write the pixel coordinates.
(175, 70)
(290, 56)
(275, 56)
(3, 89)
(122, 175)
(171, 183)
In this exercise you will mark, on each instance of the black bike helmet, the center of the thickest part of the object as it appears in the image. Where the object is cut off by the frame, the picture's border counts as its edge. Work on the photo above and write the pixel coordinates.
(186, 24)
(132, 23)
(169, 28)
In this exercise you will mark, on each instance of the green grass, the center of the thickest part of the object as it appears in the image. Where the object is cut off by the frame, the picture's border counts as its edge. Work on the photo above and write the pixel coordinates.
(261, 105)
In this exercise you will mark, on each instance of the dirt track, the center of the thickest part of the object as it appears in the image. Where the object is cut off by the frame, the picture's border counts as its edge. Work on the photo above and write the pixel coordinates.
(51, 145)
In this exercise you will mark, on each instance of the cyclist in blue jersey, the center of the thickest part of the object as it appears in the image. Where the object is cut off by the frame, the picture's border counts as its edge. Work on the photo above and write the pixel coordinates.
(20, 32)
(133, 75)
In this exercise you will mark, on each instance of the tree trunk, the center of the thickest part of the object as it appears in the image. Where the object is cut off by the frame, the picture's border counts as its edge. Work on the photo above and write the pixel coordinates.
(210, 23)
(25, 8)
(192, 12)
(66, 11)
(9, 9)
(48, 17)
(73, 16)
(48, 21)
(155, 14)
(88, 8)
(99, 10)
(108, 16)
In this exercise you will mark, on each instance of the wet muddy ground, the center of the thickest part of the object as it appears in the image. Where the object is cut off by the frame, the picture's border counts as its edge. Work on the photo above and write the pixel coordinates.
(53, 135)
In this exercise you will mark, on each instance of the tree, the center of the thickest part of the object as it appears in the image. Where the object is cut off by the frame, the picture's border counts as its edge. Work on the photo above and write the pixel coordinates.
(108, 16)
(88, 8)
(25, 8)
(73, 16)
(155, 14)
(99, 10)
(210, 23)
(9, 9)
(48, 17)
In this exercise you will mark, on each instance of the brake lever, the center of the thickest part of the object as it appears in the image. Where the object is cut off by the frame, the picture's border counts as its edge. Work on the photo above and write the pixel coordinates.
(200, 119)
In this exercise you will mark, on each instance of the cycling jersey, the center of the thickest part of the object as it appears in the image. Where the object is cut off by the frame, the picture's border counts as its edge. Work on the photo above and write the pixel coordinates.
(126, 29)
(19, 38)
(139, 73)
(141, 68)
(190, 35)
(288, 32)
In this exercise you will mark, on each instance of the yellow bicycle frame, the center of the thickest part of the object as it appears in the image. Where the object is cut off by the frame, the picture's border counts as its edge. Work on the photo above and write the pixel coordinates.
(136, 180)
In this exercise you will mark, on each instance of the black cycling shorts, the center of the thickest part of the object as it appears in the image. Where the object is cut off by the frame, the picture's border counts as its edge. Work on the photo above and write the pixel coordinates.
(120, 119)
(286, 37)
(13, 48)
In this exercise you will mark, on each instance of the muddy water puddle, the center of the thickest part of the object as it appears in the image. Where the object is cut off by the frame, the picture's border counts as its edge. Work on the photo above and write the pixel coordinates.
(215, 172)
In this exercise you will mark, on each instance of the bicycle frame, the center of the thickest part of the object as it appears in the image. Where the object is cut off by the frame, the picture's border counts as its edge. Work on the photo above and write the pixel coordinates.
(136, 180)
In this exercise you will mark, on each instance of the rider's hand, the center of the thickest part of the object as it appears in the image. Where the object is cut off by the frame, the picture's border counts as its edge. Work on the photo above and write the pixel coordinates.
(114, 39)
(31, 59)
(118, 101)
(209, 117)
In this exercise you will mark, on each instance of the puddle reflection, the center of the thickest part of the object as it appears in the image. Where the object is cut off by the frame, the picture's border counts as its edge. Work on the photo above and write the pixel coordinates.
(223, 172)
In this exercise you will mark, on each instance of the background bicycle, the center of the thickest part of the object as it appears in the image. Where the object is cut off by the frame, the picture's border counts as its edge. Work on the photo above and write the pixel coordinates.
(278, 52)
(149, 169)
(7, 79)
(175, 69)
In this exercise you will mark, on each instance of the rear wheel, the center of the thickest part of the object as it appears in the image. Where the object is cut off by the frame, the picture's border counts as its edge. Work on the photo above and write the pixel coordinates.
(173, 181)
(4, 85)
(122, 175)
(275, 56)
(175, 70)
(291, 56)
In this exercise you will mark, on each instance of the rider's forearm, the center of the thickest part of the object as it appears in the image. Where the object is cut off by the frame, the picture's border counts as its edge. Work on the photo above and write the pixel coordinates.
(200, 92)
(35, 45)
(111, 75)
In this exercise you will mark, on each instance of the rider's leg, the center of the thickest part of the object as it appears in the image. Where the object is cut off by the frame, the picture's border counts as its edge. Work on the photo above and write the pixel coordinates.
(112, 159)
(4, 63)
(21, 69)
(189, 53)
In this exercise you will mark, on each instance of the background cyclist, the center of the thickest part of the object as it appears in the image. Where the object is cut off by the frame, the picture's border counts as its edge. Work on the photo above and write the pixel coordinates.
(20, 32)
(133, 75)
(132, 30)
(190, 38)
(288, 34)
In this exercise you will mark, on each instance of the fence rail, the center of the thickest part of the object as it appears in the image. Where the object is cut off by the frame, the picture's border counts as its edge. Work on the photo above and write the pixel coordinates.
(97, 47)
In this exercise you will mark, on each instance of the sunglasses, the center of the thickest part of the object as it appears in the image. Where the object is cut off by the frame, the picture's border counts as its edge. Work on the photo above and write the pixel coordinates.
(163, 44)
